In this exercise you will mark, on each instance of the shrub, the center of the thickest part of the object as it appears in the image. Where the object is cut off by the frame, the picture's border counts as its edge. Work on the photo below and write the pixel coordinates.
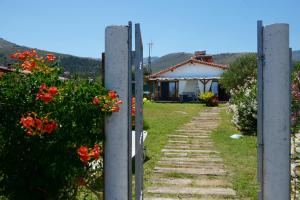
(50, 130)
(296, 98)
(241, 70)
(243, 105)
(209, 99)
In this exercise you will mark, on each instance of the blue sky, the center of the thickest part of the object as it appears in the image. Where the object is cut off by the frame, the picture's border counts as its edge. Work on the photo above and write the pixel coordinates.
(77, 26)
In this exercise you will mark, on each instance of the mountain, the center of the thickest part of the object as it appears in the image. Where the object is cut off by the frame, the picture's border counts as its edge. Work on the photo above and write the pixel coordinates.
(90, 67)
(171, 59)
(84, 67)
(175, 58)
(296, 56)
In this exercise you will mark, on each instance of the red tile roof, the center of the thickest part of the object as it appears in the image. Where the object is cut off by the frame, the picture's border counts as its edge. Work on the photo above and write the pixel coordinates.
(192, 61)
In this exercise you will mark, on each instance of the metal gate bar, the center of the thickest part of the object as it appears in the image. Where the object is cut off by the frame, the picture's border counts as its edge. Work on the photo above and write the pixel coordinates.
(138, 61)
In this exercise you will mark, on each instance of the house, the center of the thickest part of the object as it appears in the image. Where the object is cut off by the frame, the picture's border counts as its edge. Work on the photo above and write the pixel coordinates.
(186, 80)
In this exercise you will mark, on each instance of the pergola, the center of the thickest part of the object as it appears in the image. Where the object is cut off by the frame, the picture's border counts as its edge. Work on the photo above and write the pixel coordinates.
(154, 82)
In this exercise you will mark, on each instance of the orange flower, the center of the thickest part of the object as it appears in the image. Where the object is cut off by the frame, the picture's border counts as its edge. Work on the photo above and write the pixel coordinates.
(39, 124)
(112, 94)
(83, 153)
(50, 57)
(53, 90)
(49, 127)
(96, 152)
(27, 122)
(96, 101)
(47, 97)
(46, 94)
(21, 56)
(15, 55)
(115, 108)
(43, 87)
(28, 65)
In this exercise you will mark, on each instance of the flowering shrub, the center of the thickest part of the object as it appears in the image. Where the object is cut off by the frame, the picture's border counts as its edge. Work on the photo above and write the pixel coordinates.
(296, 99)
(37, 126)
(209, 99)
(243, 105)
(50, 129)
(295, 119)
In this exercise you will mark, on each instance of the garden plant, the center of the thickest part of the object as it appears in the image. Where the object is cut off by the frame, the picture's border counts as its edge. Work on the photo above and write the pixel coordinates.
(51, 130)
(209, 99)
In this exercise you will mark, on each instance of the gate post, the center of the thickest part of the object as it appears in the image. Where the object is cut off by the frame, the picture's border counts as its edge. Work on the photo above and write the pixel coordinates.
(139, 146)
(274, 112)
(117, 147)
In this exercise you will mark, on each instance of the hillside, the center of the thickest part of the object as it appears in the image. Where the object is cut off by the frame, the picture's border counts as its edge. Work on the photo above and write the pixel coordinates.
(296, 55)
(84, 67)
(175, 58)
(90, 67)
(169, 60)
(223, 58)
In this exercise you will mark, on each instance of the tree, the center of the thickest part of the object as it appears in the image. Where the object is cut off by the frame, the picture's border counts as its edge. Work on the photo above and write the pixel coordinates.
(241, 70)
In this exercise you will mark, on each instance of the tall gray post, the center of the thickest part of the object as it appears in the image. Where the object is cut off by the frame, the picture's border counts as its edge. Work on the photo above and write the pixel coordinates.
(139, 158)
(275, 113)
(117, 72)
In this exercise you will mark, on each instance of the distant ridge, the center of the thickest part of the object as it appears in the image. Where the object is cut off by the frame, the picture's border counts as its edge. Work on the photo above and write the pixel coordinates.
(84, 67)
(222, 58)
(90, 67)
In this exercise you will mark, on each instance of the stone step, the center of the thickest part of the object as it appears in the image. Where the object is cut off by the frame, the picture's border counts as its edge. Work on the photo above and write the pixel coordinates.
(194, 182)
(196, 166)
(186, 155)
(190, 142)
(203, 123)
(196, 171)
(179, 198)
(188, 147)
(188, 159)
(190, 151)
(192, 130)
(192, 190)
(190, 164)
(189, 136)
(190, 155)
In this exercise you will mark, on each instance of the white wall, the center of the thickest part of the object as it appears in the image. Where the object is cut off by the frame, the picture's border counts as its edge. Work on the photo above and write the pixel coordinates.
(196, 86)
(193, 70)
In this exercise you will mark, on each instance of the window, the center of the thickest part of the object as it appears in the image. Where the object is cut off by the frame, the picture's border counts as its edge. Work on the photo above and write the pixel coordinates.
(172, 89)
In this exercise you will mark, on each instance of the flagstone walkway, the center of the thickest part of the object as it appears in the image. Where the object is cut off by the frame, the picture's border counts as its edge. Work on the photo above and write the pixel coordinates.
(190, 167)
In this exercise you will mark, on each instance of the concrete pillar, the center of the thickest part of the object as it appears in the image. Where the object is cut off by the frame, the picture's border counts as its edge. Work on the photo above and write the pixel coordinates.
(116, 153)
(276, 112)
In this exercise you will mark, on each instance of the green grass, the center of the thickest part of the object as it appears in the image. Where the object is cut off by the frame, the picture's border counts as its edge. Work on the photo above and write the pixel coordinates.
(239, 157)
(163, 119)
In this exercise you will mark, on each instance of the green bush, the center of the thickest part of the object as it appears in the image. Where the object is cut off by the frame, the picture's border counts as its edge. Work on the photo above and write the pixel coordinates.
(241, 70)
(240, 81)
(296, 98)
(243, 105)
(39, 164)
(209, 99)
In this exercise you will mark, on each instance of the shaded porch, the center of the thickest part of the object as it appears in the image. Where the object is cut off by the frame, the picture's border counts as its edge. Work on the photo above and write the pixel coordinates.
(181, 89)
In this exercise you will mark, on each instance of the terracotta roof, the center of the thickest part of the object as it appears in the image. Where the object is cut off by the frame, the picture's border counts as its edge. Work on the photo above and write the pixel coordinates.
(192, 61)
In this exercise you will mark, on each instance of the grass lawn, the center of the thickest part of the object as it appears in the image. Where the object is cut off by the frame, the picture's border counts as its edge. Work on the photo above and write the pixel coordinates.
(239, 157)
(163, 119)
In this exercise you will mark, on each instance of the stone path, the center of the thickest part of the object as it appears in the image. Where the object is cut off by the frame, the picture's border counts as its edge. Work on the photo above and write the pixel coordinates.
(190, 167)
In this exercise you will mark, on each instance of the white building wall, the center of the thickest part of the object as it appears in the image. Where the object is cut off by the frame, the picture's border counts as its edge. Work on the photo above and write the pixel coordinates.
(197, 87)
(193, 70)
